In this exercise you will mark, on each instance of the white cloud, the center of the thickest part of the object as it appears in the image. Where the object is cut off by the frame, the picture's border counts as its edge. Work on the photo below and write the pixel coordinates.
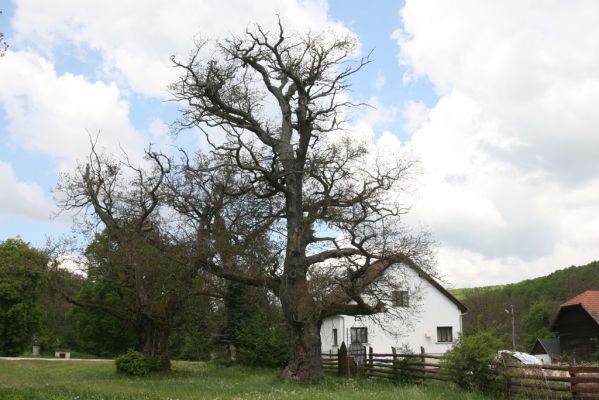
(160, 133)
(415, 113)
(532, 69)
(464, 268)
(21, 198)
(375, 115)
(54, 114)
(379, 81)
(136, 38)
(509, 150)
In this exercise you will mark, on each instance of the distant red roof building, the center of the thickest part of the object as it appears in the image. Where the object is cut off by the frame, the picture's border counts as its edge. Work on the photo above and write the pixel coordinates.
(589, 300)
(576, 323)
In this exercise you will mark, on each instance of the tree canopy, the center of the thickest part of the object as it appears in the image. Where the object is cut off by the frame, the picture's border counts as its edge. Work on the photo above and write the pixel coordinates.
(22, 270)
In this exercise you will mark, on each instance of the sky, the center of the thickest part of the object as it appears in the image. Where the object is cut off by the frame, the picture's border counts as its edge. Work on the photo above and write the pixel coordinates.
(497, 100)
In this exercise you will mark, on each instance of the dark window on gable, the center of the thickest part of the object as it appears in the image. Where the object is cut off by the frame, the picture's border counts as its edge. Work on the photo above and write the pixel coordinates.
(359, 335)
(444, 334)
(400, 298)
(334, 336)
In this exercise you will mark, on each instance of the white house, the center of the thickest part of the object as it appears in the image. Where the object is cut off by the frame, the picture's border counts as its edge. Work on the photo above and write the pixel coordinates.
(422, 314)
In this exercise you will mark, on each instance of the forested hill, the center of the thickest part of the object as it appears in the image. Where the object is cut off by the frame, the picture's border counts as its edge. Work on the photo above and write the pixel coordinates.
(536, 302)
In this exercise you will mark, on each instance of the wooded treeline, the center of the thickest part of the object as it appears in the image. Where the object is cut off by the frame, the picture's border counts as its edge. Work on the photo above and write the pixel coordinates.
(536, 303)
(33, 308)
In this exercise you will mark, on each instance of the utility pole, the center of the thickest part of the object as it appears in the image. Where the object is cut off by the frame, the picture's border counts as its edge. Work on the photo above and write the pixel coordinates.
(511, 312)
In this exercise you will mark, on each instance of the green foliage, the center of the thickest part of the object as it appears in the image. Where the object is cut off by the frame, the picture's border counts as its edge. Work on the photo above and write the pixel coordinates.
(21, 276)
(536, 323)
(260, 342)
(595, 355)
(57, 328)
(135, 363)
(98, 332)
(464, 293)
(190, 344)
(407, 367)
(132, 363)
(192, 339)
(254, 326)
(470, 362)
(487, 304)
(134, 292)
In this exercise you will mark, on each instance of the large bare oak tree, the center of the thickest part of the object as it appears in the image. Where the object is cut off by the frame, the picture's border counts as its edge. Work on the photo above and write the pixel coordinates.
(282, 165)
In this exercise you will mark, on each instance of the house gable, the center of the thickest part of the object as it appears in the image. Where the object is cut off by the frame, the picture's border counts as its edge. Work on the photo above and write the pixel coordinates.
(587, 301)
(577, 322)
(548, 346)
(441, 289)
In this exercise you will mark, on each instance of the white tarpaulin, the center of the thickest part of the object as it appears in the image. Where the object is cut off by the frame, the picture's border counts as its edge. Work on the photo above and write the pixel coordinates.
(524, 358)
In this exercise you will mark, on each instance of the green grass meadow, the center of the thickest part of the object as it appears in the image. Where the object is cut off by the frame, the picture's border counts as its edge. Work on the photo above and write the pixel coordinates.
(97, 380)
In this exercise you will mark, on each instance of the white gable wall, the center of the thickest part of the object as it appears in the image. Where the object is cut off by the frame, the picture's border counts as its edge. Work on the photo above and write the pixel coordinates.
(433, 309)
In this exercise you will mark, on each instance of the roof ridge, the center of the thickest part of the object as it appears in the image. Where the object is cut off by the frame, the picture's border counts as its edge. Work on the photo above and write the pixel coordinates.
(581, 297)
(588, 300)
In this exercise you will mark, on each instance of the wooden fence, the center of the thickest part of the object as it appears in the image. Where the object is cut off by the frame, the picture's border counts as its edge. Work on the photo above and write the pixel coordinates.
(545, 382)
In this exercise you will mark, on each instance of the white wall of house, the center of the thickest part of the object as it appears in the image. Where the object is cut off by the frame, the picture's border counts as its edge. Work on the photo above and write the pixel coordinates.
(416, 325)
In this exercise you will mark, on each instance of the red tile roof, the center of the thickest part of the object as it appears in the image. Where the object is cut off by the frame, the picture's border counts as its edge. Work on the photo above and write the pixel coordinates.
(589, 300)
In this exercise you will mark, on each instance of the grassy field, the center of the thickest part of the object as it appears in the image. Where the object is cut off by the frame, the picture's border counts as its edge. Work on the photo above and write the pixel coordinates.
(53, 380)
(461, 294)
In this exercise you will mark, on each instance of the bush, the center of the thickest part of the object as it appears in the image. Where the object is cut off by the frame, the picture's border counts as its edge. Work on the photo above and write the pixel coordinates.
(136, 364)
(407, 368)
(470, 364)
(260, 342)
(595, 355)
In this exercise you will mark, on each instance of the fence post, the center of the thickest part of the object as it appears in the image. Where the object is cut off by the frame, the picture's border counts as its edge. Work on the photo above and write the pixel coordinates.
(508, 384)
(342, 361)
(572, 373)
(370, 360)
(423, 359)
(395, 365)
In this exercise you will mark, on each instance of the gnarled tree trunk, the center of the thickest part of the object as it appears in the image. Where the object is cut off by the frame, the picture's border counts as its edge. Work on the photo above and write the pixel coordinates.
(153, 342)
(303, 330)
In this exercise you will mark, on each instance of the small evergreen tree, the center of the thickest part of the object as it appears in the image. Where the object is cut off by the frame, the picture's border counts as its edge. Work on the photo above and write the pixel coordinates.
(408, 367)
(262, 342)
(254, 326)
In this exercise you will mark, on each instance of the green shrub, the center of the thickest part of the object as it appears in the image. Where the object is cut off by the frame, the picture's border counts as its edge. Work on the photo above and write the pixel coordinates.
(470, 364)
(408, 368)
(260, 342)
(595, 354)
(136, 364)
